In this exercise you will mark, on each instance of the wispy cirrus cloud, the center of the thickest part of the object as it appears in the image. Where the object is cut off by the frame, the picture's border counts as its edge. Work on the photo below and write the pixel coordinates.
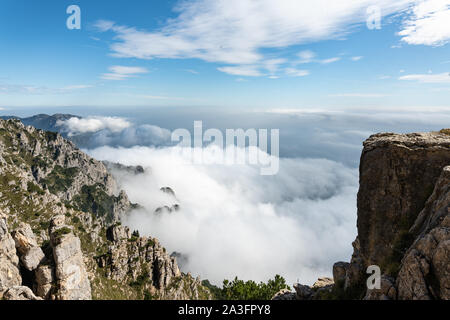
(428, 23)
(359, 95)
(428, 78)
(38, 90)
(118, 73)
(236, 32)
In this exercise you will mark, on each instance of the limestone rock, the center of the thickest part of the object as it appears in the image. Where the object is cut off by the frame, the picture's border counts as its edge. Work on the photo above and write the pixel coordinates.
(302, 292)
(397, 175)
(31, 254)
(45, 279)
(387, 290)
(323, 282)
(284, 294)
(9, 261)
(20, 293)
(117, 232)
(72, 278)
(340, 271)
(425, 269)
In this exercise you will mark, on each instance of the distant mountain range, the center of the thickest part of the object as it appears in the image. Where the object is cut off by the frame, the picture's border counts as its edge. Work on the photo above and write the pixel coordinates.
(43, 121)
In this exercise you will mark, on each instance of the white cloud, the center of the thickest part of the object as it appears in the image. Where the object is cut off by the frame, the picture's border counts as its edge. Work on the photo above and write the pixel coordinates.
(39, 90)
(428, 78)
(235, 222)
(296, 72)
(123, 72)
(359, 95)
(249, 71)
(330, 60)
(306, 56)
(428, 23)
(235, 31)
(356, 58)
(92, 124)
(77, 87)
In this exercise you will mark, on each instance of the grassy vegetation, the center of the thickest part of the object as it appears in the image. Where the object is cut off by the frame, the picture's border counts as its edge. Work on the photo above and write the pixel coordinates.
(247, 290)
(445, 131)
(95, 200)
(60, 179)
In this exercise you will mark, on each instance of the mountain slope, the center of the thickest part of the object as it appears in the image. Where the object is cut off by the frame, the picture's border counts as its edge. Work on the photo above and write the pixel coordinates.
(61, 209)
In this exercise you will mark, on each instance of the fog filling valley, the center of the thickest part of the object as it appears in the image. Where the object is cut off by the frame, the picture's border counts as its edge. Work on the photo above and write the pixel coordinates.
(232, 221)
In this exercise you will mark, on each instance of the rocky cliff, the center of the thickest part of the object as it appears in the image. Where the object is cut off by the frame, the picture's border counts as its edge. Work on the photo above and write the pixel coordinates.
(403, 222)
(60, 231)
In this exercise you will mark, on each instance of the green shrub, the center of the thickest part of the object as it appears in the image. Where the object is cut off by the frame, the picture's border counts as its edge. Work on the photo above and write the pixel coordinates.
(249, 290)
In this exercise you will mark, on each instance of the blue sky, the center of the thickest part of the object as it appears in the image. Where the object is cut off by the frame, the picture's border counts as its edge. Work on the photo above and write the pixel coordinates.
(225, 54)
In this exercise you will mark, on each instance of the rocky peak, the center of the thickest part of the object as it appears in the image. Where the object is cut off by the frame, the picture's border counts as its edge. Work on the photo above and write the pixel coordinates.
(403, 222)
(60, 231)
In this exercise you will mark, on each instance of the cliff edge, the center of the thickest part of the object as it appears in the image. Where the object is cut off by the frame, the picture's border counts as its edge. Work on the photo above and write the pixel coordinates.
(403, 222)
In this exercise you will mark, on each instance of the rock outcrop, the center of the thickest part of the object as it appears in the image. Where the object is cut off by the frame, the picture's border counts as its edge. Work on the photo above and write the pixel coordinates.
(425, 269)
(9, 262)
(143, 262)
(71, 276)
(60, 232)
(30, 253)
(403, 222)
(20, 293)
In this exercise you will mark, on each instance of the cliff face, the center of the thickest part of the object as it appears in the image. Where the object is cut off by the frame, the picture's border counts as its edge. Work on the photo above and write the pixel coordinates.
(397, 175)
(403, 222)
(60, 231)
(403, 212)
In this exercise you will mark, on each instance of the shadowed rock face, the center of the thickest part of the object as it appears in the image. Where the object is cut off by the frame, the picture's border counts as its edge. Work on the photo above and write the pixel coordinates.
(425, 270)
(403, 222)
(9, 262)
(397, 176)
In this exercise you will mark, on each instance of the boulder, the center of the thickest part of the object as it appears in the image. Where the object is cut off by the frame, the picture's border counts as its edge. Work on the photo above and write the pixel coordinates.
(20, 293)
(284, 294)
(31, 254)
(70, 271)
(9, 261)
(45, 279)
(340, 271)
(387, 290)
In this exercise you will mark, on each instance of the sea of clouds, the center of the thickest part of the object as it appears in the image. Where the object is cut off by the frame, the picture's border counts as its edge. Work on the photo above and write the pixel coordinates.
(232, 220)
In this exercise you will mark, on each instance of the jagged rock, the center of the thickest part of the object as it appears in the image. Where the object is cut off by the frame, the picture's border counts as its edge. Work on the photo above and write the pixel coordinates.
(284, 294)
(323, 282)
(20, 293)
(31, 254)
(46, 175)
(130, 169)
(340, 271)
(167, 209)
(302, 292)
(9, 261)
(168, 190)
(118, 232)
(70, 270)
(45, 279)
(387, 290)
(425, 269)
(397, 175)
